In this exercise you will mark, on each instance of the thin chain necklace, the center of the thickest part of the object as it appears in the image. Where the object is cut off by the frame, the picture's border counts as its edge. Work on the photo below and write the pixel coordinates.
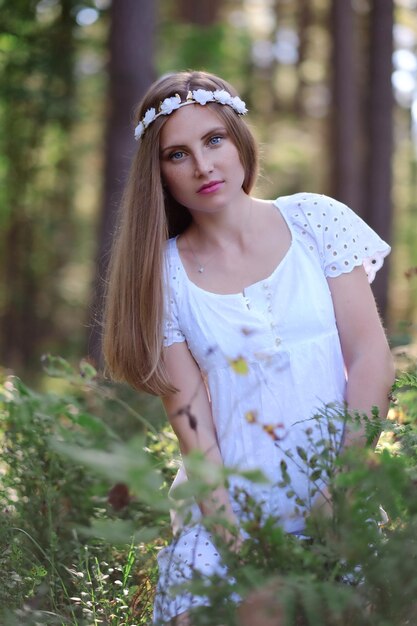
(201, 267)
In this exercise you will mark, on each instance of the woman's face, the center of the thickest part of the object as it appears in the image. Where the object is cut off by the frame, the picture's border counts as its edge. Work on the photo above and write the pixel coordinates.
(200, 164)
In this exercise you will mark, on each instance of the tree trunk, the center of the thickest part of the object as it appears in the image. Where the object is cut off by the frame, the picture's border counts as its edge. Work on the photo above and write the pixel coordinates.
(304, 19)
(380, 133)
(344, 181)
(131, 71)
(36, 222)
(201, 12)
(361, 145)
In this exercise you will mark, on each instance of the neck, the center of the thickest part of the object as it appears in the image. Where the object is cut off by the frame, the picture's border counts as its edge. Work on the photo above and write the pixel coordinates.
(221, 229)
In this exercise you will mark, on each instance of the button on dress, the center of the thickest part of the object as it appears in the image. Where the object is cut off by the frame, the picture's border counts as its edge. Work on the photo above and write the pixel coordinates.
(271, 359)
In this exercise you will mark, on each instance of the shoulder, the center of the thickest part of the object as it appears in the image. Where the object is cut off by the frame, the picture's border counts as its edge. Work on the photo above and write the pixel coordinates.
(169, 250)
(172, 268)
(342, 238)
(305, 205)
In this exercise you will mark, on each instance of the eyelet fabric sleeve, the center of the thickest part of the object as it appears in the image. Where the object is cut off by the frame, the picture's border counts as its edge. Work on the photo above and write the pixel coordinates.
(343, 239)
(172, 332)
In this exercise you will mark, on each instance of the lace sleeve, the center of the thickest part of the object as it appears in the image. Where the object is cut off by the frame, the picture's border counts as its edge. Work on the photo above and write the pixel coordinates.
(343, 239)
(172, 332)
(349, 242)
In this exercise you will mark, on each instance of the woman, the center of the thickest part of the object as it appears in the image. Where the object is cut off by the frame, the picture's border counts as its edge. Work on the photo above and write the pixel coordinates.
(246, 316)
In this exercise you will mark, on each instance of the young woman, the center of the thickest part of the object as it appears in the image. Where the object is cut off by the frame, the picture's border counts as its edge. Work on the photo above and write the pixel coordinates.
(246, 316)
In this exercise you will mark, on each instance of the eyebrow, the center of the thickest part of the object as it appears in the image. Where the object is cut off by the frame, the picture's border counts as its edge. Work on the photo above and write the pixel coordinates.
(212, 131)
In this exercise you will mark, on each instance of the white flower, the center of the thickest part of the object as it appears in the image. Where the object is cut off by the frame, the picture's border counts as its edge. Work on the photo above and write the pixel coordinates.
(222, 96)
(149, 117)
(199, 96)
(202, 96)
(139, 130)
(170, 104)
(238, 105)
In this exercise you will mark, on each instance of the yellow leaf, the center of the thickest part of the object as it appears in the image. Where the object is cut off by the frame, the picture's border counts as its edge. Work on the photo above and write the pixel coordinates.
(239, 365)
(251, 416)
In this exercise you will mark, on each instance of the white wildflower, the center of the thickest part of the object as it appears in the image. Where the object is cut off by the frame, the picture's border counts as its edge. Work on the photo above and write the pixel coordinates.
(202, 96)
(139, 130)
(238, 105)
(222, 96)
(149, 117)
(170, 104)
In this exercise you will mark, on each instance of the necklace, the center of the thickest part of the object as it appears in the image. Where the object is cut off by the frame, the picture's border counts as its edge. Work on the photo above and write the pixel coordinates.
(201, 267)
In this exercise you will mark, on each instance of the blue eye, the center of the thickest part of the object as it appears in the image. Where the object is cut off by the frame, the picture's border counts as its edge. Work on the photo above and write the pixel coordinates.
(176, 156)
(214, 141)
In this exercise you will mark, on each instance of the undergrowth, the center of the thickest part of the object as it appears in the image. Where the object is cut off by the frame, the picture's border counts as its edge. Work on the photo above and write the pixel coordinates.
(84, 510)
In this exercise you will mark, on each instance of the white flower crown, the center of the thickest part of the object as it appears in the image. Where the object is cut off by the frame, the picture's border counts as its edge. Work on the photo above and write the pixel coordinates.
(199, 96)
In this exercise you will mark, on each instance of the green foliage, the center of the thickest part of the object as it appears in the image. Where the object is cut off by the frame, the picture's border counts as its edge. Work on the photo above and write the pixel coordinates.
(52, 508)
(75, 553)
(42, 242)
(218, 48)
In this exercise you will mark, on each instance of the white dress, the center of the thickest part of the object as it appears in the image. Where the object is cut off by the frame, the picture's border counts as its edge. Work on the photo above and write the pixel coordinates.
(283, 330)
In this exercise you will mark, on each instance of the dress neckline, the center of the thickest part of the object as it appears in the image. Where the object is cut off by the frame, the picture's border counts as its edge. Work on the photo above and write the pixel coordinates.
(245, 290)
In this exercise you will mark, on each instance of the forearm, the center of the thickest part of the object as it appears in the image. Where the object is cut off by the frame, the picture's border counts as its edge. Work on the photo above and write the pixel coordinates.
(369, 382)
(216, 503)
(189, 413)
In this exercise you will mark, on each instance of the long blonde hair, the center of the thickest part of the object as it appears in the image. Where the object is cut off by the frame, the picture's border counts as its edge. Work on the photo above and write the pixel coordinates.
(134, 306)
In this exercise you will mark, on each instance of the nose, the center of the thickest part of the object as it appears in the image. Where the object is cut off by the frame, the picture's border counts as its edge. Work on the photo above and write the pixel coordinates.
(203, 164)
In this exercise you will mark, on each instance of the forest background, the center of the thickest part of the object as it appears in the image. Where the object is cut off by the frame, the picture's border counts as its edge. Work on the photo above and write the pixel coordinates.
(331, 88)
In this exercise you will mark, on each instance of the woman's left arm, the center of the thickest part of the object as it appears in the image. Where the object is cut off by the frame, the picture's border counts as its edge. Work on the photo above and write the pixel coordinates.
(368, 360)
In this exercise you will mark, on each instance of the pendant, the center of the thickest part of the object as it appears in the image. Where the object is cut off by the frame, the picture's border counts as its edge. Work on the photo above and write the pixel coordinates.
(200, 269)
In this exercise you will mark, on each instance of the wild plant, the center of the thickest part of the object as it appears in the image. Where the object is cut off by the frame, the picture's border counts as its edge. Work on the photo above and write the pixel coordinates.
(45, 497)
(355, 563)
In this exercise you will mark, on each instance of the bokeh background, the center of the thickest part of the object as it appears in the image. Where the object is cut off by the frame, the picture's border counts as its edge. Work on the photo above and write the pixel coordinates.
(332, 90)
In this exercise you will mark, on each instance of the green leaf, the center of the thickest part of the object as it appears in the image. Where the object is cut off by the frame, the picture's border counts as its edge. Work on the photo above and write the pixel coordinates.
(301, 453)
(57, 367)
(120, 531)
(316, 475)
(87, 371)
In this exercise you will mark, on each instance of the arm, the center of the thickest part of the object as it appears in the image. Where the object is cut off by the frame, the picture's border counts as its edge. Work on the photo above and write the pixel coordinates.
(369, 364)
(190, 415)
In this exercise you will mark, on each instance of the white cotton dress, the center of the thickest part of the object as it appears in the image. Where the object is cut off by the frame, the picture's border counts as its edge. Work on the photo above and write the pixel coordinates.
(284, 329)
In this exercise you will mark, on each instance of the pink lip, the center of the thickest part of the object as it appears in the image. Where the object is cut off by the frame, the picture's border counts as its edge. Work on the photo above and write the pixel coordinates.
(211, 187)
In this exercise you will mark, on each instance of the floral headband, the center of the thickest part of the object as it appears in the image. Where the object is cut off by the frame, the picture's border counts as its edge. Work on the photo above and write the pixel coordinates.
(200, 96)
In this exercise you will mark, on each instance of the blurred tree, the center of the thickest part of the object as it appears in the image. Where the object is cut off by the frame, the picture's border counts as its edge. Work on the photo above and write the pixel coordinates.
(202, 13)
(207, 35)
(344, 178)
(131, 71)
(37, 113)
(304, 20)
(362, 109)
(379, 111)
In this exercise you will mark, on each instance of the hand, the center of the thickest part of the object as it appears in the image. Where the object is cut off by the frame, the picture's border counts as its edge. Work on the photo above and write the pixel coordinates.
(323, 506)
(232, 540)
